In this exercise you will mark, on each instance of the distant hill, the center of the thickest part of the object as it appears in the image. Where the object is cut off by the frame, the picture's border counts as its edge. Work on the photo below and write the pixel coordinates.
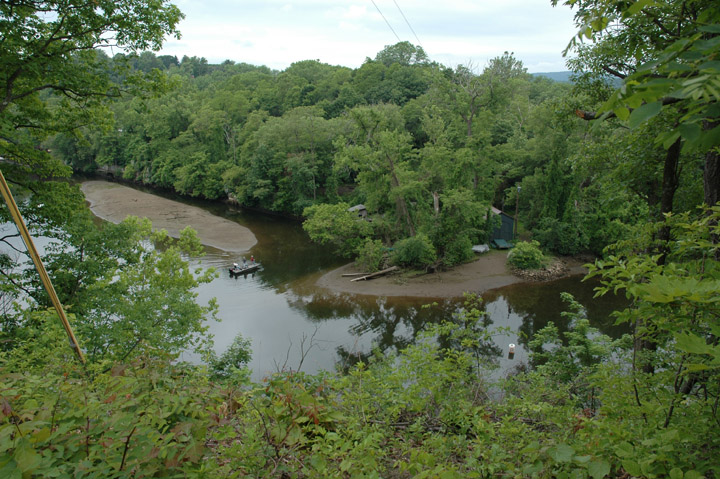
(557, 76)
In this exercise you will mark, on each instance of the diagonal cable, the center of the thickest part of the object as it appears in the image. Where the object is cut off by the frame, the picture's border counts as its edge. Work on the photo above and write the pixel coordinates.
(388, 23)
(408, 23)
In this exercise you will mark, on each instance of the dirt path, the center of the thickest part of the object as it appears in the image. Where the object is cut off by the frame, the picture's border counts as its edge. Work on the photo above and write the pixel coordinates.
(114, 202)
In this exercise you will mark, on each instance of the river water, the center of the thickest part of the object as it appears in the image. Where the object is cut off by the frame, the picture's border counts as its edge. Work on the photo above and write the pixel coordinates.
(292, 324)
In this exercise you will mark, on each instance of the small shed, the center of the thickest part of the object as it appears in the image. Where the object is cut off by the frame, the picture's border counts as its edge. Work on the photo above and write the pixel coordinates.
(505, 231)
(360, 210)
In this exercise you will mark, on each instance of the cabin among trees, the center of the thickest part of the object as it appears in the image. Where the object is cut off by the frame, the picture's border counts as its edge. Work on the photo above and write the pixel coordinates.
(505, 228)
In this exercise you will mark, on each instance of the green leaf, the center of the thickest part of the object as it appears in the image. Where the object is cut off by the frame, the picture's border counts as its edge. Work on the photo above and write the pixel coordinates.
(562, 453)
(691, 343)
(710, 28)
(26, 457)
(643, 113)
(676, 473)
(622, 113)
(690, 131)
(637, 6)
(624, 449)
(632, 467)
(598, 469)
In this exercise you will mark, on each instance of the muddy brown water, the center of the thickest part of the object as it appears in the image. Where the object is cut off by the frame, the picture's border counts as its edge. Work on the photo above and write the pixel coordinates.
(294, 324)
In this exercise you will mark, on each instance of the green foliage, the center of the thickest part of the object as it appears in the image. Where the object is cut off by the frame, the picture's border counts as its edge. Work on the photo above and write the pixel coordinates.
(129, 296)
(233, 360)
(142, 419)
(560, 237)
(55, 77)
(336, 226)
(370, 255)
(526, 255)
(416, 251)
(571, 358)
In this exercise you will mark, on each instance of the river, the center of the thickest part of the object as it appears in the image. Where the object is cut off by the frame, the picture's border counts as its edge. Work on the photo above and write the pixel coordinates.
(293, 324)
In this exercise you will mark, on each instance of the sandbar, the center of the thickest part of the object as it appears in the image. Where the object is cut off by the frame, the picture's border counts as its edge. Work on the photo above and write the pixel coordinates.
(114, 202)
(487, 272)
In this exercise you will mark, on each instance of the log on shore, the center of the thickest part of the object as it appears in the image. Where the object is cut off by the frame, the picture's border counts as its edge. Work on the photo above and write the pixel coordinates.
(354, 274)
(379, 273)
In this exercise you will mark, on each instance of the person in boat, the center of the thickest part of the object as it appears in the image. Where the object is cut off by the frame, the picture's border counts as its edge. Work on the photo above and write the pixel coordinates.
(252, 259)
(244, 262)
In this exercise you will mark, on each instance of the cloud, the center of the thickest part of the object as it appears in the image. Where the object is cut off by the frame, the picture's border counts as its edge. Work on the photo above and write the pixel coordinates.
(277, 33)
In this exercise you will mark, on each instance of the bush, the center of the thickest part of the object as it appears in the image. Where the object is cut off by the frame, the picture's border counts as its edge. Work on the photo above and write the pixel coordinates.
(459, 250)
(415, 251)
(370, 255)
(237, 355)
(526, 255)
(560, 237)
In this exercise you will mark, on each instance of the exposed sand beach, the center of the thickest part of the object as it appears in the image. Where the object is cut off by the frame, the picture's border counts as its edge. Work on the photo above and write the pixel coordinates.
(114, 202)
(487, 272)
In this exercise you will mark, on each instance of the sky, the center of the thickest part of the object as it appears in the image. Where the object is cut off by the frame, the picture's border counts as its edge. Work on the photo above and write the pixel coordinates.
(277, 33)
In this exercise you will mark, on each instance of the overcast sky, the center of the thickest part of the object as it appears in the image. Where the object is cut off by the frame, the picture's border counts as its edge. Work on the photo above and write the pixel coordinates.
(277, 33)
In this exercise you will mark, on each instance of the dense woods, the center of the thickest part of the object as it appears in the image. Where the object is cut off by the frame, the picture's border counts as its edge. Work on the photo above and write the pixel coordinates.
(426, 148)
(622, 163)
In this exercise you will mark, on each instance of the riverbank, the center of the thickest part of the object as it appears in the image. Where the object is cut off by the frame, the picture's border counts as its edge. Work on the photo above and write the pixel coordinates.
(489, 271)
(114, 202)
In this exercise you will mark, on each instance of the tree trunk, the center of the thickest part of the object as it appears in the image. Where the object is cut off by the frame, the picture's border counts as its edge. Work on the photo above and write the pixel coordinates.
(669, 187)
(711, 182)
(644, 342)
(400, 201)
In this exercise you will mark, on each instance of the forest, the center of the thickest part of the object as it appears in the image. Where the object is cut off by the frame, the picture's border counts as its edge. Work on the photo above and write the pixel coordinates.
(621, 165)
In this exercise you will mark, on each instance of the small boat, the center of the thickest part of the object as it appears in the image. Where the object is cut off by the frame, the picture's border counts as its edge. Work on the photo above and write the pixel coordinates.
(248, 268)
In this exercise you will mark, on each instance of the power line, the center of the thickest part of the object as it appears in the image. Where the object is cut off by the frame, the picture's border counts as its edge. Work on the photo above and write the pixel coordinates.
(388, 23)
(408, 23)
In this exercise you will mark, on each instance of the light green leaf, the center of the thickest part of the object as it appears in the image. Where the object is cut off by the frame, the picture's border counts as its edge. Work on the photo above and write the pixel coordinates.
(644, 113)
(26, 457)
(691, 343)
(632, 467)
(676, 473)
(637, 6)
(598, 469)
(624, 449)
(562, 453)
(622, 113)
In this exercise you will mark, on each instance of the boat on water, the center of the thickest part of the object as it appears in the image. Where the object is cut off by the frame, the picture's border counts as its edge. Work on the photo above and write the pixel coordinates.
(237, 270)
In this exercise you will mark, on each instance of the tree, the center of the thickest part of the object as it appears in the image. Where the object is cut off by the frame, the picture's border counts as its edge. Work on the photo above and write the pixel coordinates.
(664, 53)
(336, 226)
(404, 53)
(54, 75)
(128, 295)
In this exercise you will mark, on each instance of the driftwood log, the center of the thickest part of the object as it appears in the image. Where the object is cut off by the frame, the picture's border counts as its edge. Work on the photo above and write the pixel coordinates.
(379, 273)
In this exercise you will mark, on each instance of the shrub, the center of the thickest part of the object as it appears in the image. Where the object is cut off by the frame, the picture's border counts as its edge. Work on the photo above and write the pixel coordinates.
(370, 255)
(560, 237)
(415, 251)
(237, 355)
(526, 255)
(459, 250)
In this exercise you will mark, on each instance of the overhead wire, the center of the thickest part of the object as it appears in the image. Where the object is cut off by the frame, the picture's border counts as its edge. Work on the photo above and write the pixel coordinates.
(388, 23)
(408, 23)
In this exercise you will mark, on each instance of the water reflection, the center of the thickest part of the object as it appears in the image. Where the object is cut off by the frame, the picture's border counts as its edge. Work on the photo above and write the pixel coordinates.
(290, 320)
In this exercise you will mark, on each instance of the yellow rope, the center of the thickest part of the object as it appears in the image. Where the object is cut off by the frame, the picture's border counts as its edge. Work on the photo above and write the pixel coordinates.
(15, 212)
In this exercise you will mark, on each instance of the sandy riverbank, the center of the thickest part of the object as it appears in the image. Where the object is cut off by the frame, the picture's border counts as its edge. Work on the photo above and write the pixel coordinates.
(487, 272)
(114, 202)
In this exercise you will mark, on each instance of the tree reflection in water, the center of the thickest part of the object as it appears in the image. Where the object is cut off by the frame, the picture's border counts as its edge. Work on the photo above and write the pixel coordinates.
(509, 315)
